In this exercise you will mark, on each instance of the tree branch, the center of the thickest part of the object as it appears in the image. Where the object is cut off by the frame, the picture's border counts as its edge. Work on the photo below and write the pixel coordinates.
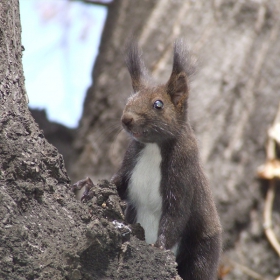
(267, 217)
(273, 168)
(94, 2)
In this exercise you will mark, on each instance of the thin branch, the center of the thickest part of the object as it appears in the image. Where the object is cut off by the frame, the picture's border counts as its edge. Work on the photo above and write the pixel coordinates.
(100, 3)
(248, 271)
(271, 155)
(267, 217)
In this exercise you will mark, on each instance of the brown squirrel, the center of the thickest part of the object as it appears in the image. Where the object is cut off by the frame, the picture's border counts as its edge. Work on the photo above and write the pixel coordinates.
(161, 176)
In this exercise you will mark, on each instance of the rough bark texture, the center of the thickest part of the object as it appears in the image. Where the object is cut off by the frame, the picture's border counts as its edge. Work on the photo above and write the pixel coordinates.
(58, 135)
(45, 233)
(234, 98)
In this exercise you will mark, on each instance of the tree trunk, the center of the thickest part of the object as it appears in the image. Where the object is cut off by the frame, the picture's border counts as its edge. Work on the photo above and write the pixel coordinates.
(234, 98)
(45, 233)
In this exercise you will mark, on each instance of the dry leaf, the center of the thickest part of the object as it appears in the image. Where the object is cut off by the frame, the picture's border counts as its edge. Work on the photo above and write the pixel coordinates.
(269, 170)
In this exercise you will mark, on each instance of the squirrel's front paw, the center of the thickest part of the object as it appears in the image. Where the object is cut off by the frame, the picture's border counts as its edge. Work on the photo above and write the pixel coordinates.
(87, 184)
(160, 243)
(155, 245)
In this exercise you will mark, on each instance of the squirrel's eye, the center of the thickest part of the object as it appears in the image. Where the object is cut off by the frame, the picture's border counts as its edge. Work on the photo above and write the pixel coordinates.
(158, 104)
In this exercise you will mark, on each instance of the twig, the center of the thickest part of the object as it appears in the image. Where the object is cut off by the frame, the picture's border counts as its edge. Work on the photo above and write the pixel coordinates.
(271, 156)
(247, 271)
(267, 217)
(100, 3)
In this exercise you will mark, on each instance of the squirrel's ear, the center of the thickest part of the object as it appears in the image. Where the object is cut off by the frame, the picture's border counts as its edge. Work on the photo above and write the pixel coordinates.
(177, 86)
(135, 65)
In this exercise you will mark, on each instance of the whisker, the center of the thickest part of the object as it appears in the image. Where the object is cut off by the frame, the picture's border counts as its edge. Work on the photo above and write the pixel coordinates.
(108, 132)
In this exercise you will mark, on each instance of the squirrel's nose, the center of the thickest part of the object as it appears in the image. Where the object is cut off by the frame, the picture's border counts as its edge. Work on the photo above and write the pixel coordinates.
(127, 120)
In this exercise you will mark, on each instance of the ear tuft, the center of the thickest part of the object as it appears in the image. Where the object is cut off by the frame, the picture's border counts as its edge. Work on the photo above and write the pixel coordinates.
(135, 65)
(177, 86)
(182, 60)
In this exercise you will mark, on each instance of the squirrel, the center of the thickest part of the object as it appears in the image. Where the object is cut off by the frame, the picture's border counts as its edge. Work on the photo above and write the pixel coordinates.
(161, 177)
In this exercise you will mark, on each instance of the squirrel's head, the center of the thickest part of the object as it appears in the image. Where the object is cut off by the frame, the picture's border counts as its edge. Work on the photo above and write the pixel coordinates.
(157, 113)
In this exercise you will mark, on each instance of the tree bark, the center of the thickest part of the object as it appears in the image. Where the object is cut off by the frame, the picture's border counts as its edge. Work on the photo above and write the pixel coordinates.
(234, 98)
(45, 233)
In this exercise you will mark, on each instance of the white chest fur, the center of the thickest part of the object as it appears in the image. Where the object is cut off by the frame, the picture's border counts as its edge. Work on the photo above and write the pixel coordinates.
(144, 190)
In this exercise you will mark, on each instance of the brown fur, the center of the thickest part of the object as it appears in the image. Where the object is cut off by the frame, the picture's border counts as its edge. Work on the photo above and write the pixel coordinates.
(189, 215)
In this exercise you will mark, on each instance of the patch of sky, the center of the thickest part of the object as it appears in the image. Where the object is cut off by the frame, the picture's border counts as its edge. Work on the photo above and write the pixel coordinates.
(61, 41)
